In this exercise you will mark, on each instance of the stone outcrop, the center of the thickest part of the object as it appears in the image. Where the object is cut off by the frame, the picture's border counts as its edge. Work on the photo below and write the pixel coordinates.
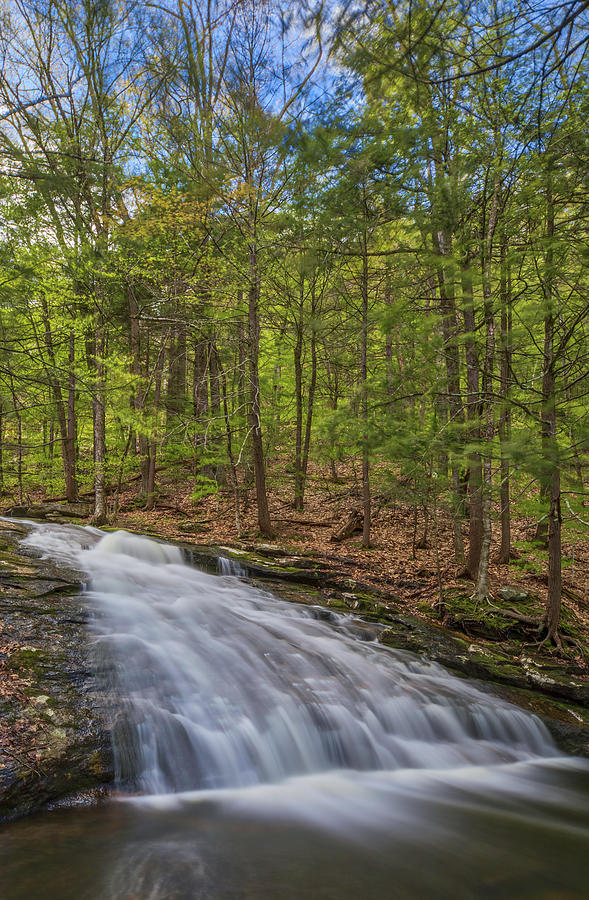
(54, 742)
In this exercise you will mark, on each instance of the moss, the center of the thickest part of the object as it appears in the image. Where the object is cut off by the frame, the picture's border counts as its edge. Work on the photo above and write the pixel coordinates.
(424, 607)
(336, 603)
(11, 565)
(497, 665)
(98, 765)
(26, 657)
(529, 566)
(34, 661)
(296, 594)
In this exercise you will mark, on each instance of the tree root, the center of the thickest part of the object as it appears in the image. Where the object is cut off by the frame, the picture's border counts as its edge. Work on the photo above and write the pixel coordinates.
(476, 600)
(555, 638)
(511, 613)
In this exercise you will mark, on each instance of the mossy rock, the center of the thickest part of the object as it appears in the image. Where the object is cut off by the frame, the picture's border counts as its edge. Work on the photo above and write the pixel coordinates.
(513, 594)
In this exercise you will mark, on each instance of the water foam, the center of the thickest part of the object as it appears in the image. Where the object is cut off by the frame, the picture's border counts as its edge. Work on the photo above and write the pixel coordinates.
(227, 686)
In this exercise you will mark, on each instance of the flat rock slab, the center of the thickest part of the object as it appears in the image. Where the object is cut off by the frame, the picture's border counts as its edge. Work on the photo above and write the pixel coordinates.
(54, 742)
(513, 594)
(54, 734)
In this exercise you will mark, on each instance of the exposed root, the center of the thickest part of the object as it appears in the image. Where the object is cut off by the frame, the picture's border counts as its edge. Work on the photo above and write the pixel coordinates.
(476, 600)
(555, 638)
(511, 613)
(581, 650)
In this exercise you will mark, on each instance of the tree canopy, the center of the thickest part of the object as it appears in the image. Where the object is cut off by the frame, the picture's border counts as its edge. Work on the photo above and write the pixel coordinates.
(244, 238)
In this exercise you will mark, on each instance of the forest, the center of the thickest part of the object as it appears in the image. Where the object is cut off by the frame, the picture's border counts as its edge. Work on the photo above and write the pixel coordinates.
(252, 247)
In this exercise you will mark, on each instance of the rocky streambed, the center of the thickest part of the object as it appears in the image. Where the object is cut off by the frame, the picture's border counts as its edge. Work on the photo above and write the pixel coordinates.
(55, 717)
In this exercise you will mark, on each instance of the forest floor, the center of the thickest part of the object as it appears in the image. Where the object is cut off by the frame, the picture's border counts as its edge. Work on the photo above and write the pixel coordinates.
(403, 559)
(410, 556)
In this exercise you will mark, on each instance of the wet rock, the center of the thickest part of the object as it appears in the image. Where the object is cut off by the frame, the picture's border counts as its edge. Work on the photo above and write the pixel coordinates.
(560, 696)
(556, 691)
(55, 741)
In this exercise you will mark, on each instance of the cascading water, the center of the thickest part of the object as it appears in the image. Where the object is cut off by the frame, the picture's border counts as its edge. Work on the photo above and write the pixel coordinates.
(227, 566)
(226, 686)
(268, 711)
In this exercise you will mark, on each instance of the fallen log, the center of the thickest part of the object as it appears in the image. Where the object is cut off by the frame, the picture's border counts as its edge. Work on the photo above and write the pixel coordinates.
(353, 524)
(49, 510)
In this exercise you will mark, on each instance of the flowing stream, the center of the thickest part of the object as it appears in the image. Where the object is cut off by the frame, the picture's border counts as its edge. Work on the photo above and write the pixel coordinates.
(271, 750)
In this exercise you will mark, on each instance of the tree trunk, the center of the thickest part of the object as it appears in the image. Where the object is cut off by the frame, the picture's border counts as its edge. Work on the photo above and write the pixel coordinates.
(388, 352)
(264, 523)
(200, 399)
(216, 374)
(242, 360)
(443, 247)
(176, 389)
(233, 467)
(366, 500)
(200, 390)
(159, 367)
(310, 409)
(99, 425)
(65, 415)
(473, 417)
(333, 387)
(71, 483)
(546, 473)
(551, 454)
(140, 373)
(171, 394)
(298, 368)
(554, 595)
(482, 589)
(215, 387)
(1, 447)
(505, 417)
(135, 349)
(16, 408)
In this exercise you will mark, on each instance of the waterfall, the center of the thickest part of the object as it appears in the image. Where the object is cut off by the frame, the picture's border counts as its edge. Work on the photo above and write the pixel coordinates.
(227, 566)
(226, 686)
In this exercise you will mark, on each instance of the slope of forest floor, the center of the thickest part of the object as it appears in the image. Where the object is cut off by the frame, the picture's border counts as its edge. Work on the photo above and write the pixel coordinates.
(403, 559)
(411, 555)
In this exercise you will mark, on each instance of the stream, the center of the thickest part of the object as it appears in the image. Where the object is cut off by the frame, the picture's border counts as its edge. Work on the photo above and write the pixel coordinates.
(273, 751)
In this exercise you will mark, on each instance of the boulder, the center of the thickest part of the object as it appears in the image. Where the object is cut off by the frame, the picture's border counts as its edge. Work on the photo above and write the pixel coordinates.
(512, 594)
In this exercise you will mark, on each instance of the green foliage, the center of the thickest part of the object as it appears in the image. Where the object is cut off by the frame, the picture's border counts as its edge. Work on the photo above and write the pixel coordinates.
(204, 487)
(203, 233)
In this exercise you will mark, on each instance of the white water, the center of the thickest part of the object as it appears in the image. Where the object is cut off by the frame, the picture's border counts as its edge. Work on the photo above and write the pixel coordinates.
(229, 687)
(227, 566)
